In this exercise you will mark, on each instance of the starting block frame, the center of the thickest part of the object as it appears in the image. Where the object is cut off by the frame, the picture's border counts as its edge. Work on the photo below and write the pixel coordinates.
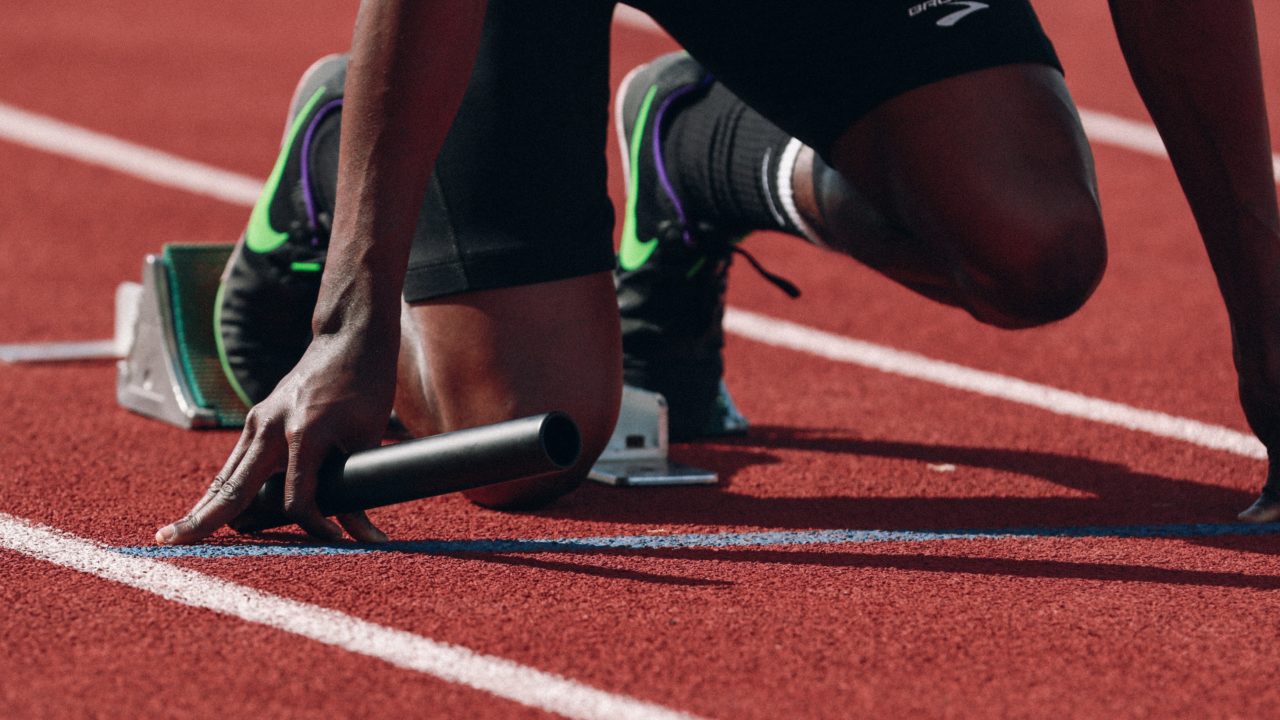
(171, 371)
(637, 450)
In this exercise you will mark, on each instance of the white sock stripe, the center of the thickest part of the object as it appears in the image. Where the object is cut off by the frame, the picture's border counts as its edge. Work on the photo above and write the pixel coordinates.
(786, 191)
(451, 663)
(768, 193)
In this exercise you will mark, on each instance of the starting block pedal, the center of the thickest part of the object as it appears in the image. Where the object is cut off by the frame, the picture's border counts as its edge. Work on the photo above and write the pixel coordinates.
(171, 371)
(637, 450)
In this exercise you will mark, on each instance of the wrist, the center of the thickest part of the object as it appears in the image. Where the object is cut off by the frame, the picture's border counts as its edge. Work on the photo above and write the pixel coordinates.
(355, 303)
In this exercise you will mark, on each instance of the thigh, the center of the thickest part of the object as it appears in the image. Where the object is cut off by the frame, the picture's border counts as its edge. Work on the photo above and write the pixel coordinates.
(816, 68)
(989, 180)
(519, 191)
(991, 168)
(946, 128)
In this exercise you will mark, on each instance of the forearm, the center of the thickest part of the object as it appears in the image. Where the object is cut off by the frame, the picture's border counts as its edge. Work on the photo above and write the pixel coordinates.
(1196, 65)
(410, 63)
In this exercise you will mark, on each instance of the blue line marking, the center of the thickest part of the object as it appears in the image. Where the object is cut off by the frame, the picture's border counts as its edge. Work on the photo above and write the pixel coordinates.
(702, 541)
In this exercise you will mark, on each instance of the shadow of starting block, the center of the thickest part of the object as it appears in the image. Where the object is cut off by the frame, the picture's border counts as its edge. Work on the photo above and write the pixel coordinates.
(171, 371)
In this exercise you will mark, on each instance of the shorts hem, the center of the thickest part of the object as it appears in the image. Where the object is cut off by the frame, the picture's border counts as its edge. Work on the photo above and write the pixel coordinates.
(492, 272)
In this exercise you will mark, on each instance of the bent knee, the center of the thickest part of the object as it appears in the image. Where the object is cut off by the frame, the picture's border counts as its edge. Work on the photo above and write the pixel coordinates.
(1044, 272)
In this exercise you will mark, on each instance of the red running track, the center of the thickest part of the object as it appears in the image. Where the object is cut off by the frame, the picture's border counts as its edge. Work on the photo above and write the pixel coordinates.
(1080, 627)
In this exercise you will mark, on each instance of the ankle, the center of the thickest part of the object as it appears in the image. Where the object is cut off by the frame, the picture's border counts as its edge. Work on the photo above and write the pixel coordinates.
(724, 160)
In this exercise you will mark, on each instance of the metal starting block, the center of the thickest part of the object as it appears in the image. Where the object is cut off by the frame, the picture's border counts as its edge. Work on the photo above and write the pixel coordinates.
(637, 451)
(171, 371)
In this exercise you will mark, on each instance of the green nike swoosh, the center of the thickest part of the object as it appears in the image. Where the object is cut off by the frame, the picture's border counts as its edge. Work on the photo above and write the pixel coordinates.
(260, 236)
(632, 251)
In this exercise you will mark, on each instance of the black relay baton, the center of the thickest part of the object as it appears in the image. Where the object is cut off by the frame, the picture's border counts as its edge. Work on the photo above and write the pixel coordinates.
(449, 462)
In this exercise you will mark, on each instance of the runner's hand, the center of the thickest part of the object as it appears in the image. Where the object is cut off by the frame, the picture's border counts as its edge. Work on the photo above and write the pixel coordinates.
(337, 398)
(1260, 397)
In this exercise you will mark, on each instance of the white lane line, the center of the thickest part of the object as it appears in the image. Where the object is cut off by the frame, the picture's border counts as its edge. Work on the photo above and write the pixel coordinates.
(784, 334)
(60, 351)
(1132, 135)
(1101, 127)
(59, 138)
(1135, 135)
(451, 663)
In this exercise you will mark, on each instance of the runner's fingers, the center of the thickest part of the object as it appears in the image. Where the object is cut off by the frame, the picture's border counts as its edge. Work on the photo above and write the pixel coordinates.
(230, 501)
(300, 482)
(225, 500)
(233, 461)
(209, 495)
(359, 526)
(237, 453)
(183, 525)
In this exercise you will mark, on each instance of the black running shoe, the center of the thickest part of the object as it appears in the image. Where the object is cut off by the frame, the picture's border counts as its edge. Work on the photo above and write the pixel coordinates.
(262, 316)
(672, 269)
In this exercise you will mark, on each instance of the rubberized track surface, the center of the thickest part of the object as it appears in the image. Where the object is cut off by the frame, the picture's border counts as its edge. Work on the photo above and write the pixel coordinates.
(1124, 592)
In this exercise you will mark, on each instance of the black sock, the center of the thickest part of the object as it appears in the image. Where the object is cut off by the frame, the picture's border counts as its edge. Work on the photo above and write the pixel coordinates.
(724, 158)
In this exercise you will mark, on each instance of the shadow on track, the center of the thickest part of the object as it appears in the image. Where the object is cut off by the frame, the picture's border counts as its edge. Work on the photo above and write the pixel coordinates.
(986, 566)
(1117, 494)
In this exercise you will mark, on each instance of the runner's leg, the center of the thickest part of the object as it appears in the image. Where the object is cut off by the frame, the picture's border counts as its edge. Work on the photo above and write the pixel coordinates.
(510, 306)
(991, 206)
(950, 157)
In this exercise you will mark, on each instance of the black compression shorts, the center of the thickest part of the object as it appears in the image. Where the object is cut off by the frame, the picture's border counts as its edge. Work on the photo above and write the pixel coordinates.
(519, 196)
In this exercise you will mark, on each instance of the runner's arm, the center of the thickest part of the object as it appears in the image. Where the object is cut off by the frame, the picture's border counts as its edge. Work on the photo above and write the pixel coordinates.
(1196, 64)
(410, 64)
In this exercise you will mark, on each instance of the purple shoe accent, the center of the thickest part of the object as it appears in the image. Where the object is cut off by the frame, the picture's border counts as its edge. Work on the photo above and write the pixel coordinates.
(308, 194)
(661, 165)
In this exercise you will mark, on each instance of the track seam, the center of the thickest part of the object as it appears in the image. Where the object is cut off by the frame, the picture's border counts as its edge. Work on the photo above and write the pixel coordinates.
(708, 541)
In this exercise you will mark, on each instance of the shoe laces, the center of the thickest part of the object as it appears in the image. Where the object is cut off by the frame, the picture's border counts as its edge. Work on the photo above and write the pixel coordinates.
(777, 280)
(721, 251)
